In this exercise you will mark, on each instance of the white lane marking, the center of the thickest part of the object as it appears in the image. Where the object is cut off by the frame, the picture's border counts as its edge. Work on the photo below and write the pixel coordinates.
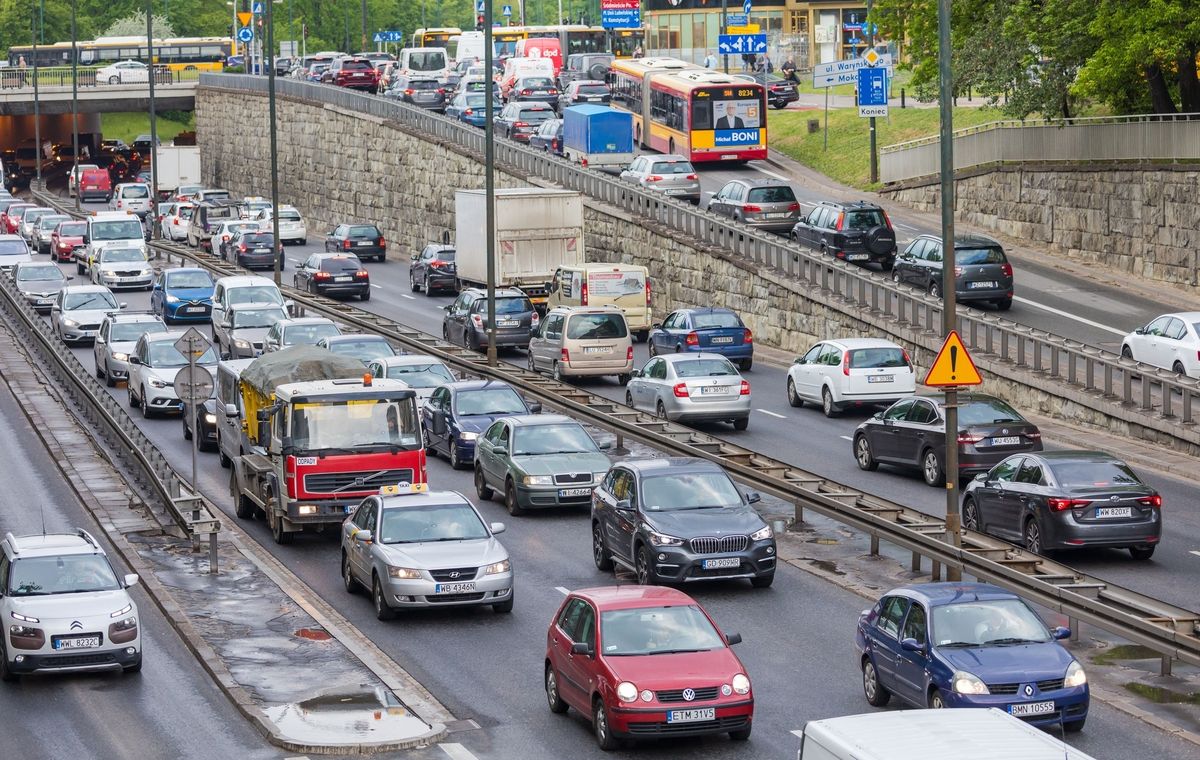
(406, 295)
(561, 590)
(377, 286)
(457, 751)
(798, 733)
(903, 226)
(294, 261)
(773, 174)
(1069, 315)
(1195, 552)
(773, 414)
(845, 438)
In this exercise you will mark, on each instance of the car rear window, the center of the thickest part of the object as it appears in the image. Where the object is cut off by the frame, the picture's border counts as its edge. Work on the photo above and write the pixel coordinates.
(258, 239)
(1093, 474)
(593, 89)
(716, 319)
(864, 220)
(289, 216)
(356, 66)
(423, 84)
(341, 264)
(771, 195)
(596, 327)
(536, 116)
(220, 212)
(979, 256)
(672, 167)
(537, 82)
(444, 256)
(987, 412)
(136, 191)
(507, 305)
(365, 231)
(869, 358)
(704, 368)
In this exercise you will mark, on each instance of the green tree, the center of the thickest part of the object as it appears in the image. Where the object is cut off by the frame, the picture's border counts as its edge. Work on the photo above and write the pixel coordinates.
(134, 25)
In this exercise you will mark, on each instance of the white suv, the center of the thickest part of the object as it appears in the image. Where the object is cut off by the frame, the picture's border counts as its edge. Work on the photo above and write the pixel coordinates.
(64, 607)
(851, 372)
(291, 225)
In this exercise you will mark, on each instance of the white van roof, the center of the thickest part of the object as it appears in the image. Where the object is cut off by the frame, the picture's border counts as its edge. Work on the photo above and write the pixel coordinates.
(921, 734)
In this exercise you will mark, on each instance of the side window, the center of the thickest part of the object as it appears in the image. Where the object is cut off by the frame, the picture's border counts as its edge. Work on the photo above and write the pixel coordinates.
(554, 326)
(1158, 326)
(917, 249)
(1006, 470)
(360, 515)
(5, 565)
(1175, 329)
(832, 356)
(813, 353)
(441, 398)
(493, 433)
(659, 370)
(922, 412)
(569, 618)
(585, 630)
(890, 616)
(505, 433)
(898, 411)
(1030, 472)
(933, 252)
(914, 624)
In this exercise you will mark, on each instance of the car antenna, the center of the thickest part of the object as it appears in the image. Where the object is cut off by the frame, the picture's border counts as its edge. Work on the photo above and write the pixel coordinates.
(42, 509)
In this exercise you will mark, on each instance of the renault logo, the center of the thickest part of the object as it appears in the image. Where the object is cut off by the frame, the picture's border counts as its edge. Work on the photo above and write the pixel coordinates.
(76, 625)
(454, 574)
(1028, 690)
(689, 695)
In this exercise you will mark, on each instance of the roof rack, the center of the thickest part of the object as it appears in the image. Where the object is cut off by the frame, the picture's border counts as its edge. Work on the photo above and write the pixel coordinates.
(87, 537)
(12, 541)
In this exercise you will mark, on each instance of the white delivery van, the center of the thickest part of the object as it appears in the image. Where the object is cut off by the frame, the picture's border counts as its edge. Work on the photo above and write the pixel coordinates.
(425, 63)
(626, 286)
(519, 68)
(954, 734)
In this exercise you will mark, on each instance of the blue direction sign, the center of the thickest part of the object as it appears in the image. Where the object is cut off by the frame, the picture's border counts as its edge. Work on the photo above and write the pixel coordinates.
(746, 7)
(621, 18)
(389, 36)
(257, 8)
(736, 19)
(741, 44)
(479, 6)
(245, 34)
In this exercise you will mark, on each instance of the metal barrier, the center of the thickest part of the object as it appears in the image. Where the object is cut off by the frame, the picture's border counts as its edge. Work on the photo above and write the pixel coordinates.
(60, 76)
(1161, 401)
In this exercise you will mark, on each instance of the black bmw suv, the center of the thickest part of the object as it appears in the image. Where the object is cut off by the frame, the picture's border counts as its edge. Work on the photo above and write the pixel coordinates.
(859, 232)
(677, 520)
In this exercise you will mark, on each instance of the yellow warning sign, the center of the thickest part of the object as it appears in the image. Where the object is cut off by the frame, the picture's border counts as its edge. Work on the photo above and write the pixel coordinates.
(244, 18)
(953, 365)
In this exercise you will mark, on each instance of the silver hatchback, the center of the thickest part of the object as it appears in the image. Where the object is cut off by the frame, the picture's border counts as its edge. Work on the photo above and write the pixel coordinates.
(671, 175)
(768, 204)
(699, 387)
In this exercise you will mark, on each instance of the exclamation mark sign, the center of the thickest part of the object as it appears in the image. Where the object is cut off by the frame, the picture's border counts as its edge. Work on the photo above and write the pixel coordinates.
(953, 361)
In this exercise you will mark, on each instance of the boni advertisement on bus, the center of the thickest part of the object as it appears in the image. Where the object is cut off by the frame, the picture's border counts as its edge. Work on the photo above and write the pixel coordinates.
(735, 117)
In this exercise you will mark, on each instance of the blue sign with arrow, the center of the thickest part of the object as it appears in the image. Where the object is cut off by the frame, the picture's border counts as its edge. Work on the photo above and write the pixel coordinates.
(741, 44)
(389, 36)
(245, 34)
(746, 7)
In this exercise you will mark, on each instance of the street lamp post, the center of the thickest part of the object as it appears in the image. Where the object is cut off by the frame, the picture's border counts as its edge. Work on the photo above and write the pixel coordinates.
(489, 182)
(269, 56)
(75, 104)
(364, 25)
(153, 117)
(37, 108)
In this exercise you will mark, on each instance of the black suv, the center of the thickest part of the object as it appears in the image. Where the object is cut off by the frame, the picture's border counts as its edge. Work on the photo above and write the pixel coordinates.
(858, 232)
(981, 270)
(679, 519)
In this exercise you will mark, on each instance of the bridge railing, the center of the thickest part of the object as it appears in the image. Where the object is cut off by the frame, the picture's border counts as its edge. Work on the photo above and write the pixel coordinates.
(60, 76)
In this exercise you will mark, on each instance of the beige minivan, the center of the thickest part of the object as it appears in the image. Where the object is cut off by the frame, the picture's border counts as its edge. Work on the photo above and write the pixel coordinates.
(582, 341)
(626, 286)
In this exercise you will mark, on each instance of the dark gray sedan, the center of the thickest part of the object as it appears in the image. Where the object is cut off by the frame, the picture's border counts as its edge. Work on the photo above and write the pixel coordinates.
(768, 204)
(981, 270)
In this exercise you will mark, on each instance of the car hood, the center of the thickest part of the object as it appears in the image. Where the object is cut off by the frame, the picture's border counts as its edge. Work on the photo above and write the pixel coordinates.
(438, 554)
(659, 672)
(42, 287)
(552, 464)
(89, 315)
(123, 266)
(1010, 664)
(70, 606)
(191, 294)
(686, 523)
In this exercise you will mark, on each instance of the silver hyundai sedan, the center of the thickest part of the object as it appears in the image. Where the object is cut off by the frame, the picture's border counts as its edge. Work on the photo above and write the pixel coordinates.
(700, 387)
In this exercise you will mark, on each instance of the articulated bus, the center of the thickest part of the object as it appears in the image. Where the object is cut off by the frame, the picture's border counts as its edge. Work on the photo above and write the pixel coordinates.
(679, 107)
(574, 38)
(435, 36)
(177, 54)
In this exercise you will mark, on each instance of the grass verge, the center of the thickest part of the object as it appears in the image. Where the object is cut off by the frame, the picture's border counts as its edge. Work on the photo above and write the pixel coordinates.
(127, 126)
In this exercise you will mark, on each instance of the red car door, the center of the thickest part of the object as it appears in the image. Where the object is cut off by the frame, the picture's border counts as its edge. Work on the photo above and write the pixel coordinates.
(568, 668)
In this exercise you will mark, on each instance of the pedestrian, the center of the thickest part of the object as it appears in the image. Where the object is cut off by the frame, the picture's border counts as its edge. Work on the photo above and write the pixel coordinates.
(760, 63)
(789, 69)
(710, 60)
(747, 61)
(637, 52)
(21, 66)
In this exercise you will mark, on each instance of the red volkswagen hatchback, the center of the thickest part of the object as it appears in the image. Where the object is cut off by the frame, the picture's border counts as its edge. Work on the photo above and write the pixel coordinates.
(645, 662)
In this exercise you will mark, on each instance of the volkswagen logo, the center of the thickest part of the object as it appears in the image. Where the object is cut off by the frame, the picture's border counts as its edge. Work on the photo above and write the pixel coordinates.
(689, 695)
(76, 625)
(454, 574)
(1028, 690)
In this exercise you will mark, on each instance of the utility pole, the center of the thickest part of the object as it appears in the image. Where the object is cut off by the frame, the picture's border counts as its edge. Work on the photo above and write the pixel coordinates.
(153, 119)
(489, 181)
(75, 104)
(364, 26)
(270, 59)
(724, 26)
(37, 109)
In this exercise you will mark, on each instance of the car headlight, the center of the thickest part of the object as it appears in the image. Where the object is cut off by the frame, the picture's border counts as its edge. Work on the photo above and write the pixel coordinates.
(464, 436)
(128, 624)
(239, 343)
(70, 323)
(24, 618)
(598, 476)
(538, 480)
(626, 692)
(741, 684)
(1075, 675)
(762, 534)
(503, 566)
(211, 419)
(156, 383)
(172, 299)
(127, 608)
(968, 683)
(404, 573)
(117, 357)
(662, 539)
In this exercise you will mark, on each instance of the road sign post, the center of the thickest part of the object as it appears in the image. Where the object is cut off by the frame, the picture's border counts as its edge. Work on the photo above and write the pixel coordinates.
(872, 100)
(193, 385)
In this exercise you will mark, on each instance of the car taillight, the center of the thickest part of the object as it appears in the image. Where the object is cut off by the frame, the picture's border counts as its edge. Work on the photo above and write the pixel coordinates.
(1062, 505)
(751, 208)
(1151, 501)
(745, 388)
(647, 294)
(841, 218)
(408, 91)
(654, 178)
(970, 438)
(469, 112)
(382, 243)
(553, 143)
(692, 339)
(526, 92)
(681, 390)
(846, 364)
(747, 336)
(533, 321)
(566, 356)
(435, 264)
(793, 207)
(118, 204)
(242, 247)
(321, 276)
(552, 91)
(629, 354)
(175, 222)
(346, 244)
(693, 176)
(583, 293)
(958, 271)
(907, 360)
(1006, 269)
(361, 274)
(1034, 436)
(477, 320)
(441, 91)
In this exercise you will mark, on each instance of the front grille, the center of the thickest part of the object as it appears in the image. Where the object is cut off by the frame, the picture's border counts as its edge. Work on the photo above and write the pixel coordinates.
(258, 347)
(89, 327)
(1003, 688)
(719, 725)
(574, 477)
(328, 482)
(128, 274)
(715, 545)
(1052, 684)
(445, 598)
(77, 660)
(676, 695)
(448, 574)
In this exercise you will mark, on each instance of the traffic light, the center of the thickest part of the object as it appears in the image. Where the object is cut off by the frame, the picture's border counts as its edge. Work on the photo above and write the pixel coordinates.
(479, 23)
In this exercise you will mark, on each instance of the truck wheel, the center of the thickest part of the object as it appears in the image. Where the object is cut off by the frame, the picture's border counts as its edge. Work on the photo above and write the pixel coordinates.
(244, 507)
(281, 536)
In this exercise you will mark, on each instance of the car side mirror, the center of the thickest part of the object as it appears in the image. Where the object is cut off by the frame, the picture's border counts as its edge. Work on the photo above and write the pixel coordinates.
(624, 505)
(447, 307)
(635, 373)
(606, 445)
(981, 477)
(498, 527)
(753, 497)
(231, 410)
(733, 638)
(70, 277)
(581, 647)
(414, 257)
(364, 536)
(500, 450)
(1140, 331)
(133, 359)
(656, 326)
(1061, 632)
(535, 407)
(122, 305)
(131, 579)
(911, 645)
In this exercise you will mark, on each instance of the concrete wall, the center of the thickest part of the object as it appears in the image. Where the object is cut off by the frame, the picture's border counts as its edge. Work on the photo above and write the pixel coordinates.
(1136, 219)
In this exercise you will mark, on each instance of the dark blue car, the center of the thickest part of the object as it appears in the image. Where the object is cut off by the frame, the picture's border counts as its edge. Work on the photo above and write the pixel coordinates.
(969, 645)
(182, 295)
(458, 413)
(711, 330)
(469, 107)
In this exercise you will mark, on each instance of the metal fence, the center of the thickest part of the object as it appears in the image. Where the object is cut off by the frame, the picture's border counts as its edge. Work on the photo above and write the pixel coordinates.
(60, 76)
(1162, 402)
(1155, 137)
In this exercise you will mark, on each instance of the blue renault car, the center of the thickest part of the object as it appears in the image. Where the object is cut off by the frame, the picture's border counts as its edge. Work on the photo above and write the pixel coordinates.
(182, 295)
(457, 414)
(712, 330)
(969, 645)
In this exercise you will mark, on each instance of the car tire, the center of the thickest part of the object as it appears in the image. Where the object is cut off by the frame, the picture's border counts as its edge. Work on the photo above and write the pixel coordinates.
(511, 502)
(187, 433)
(481, 487)
(557, 373)
(348, 581)
(1032, 535)
(779, 104)
(935, 289)
(652, 351)
(553, 699)
(455, 462)
(763, 581)
(472, 341)
(530, 364)
(146, 413)
(644, 566)
(226, 462)
(600, 553)
(828, 407)
(1140, 553)
(108, 378)
(936, 700)
(280, 536)
(428, 290)
(629, 400)
(412, 283)
(604, 738)
(741, 423)
(133, 669)
(623, 380)
(1074, 726)
(1178, 369)
(506, 606)
(1004, 304)
(895, 275)
(641, 336)
(365, 295)
(863, 454)
(383, 611)
(114, 80)
(6, 675)
(133, 404)
(970, 514)
(660, 411)
(746, 364)
(931, 469)
(876, 694)
(793, 397)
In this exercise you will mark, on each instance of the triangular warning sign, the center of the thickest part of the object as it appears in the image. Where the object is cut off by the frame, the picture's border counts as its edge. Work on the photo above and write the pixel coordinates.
(244, 18)
(953, 365)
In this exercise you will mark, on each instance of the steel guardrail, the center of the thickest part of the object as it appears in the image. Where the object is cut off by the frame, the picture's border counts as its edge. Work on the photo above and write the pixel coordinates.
(1098, 380)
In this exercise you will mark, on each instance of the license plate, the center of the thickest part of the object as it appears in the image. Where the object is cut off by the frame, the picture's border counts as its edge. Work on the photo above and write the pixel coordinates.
(978, 285)
(1033, 708)
(1007, 440)
(857, 257)
(262, 250)
(454, 588)
(364, 242)
(726, 339)
(507, 323)
(342, 279)
(714, 389)
(45, 301)
(195, 310)
(563, 492)
(596, 349)
(881, 378)
(714, 564)
(692, 716)
(78, 642)
(1114, 511)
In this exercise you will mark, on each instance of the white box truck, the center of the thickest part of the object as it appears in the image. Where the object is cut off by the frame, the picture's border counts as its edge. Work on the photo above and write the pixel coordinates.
(537, 231)
(177, 165)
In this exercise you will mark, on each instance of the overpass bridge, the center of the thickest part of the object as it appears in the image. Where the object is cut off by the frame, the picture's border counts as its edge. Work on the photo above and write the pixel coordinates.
(172, 91)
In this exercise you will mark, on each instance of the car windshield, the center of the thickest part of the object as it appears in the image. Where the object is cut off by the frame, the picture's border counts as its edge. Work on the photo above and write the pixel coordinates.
(505, 306)
(431, 522)
(871, 358)
(689, 490)
(365, 232)
(704, 368)
(309, 334)
(596, 327)
(255, 294)
(189, 280)
(672, 167)
(657, 630)
(75, 229)
(537, 82)
(978, 256)
(365, 349)
(997, 622)
(12, 247)
(69, 574)
(864, 220)
(289, 215)
(567, 438)
(251, 318)
(987, 412)
(40, 273)
(421, 375)
(164, 355)
(494, 401)
(341, 264)
(771, 195)
(109, 255)
(128, 332)
(94, 299)
(593, 89)
(1087, 475)
(135, 191)
(49, 222)
(348, 425)
(702, 319)
(118, 229)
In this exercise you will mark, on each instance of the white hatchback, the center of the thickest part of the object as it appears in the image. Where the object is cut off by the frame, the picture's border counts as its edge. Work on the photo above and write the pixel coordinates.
(851, 372)
(1171, 341)
(291, 225)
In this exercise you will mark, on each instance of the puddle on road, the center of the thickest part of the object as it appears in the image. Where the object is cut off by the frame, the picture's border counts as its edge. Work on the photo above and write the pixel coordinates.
(1163, 696)
(339, 717)
(1122, 652)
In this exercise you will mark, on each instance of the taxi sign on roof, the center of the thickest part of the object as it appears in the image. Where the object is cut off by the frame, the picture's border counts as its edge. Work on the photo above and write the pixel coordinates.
(399, 489)
(953, 365)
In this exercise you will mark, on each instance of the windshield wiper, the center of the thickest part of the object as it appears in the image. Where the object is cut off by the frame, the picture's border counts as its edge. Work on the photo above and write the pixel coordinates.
(1013, 640)
(960, 644)
(677, 651)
